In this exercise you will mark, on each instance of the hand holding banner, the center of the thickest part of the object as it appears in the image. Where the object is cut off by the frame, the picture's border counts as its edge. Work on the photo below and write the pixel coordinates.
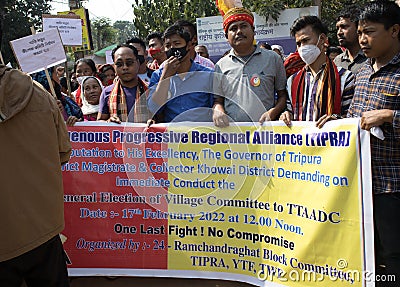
(270, 206)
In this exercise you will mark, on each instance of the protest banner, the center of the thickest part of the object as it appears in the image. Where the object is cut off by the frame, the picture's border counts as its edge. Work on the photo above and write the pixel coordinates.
(38, 51)
(69, 27)
(271, 205)
(86, 31)
(211, 34)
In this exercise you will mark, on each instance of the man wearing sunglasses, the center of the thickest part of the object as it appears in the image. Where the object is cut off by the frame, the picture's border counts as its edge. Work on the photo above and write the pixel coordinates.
(124, 100)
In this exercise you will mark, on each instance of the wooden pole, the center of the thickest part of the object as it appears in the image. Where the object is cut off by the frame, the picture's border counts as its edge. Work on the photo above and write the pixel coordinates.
(1, 59)
(67, 75)
(53, 92)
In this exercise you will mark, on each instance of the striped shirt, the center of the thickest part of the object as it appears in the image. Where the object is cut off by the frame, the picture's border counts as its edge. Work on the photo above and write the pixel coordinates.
(375, 91)
(310, 88)
(343, 60)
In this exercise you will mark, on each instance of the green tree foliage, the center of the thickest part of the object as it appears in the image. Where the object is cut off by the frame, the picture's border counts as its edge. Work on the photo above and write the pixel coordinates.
(16, 18)
(125, 30)
(153, 15)
(268, 9)
(329, 10)
(103, 33)
(157, 15)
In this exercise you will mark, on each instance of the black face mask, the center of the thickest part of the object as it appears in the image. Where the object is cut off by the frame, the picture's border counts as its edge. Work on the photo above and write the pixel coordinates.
(141, 59)
(177, 52)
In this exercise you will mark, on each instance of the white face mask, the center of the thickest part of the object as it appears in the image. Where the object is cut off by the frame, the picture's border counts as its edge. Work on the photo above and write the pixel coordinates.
(309, 53)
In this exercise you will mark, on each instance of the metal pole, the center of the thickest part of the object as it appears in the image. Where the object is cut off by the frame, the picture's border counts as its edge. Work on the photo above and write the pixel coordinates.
(318, 3)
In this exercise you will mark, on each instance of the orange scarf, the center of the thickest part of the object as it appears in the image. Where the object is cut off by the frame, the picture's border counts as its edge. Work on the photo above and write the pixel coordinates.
(328, 94)
(118, 107)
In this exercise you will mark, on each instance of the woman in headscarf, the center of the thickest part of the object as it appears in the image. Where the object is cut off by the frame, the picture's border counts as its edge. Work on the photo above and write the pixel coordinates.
(68, 107)
(91, 90)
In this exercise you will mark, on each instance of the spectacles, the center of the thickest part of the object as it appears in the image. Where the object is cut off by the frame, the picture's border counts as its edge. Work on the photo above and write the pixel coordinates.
(128, 63)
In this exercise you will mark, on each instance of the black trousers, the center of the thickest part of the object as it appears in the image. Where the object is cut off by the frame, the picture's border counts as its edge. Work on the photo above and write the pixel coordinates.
(44, 266)
(387, 239)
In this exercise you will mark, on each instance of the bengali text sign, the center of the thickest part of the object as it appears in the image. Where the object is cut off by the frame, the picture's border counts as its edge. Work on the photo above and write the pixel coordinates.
(69, 27)
(83, 14)
(35, 52)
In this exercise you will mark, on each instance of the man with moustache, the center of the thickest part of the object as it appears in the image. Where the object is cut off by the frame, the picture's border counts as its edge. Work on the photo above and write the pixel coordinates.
(247, 79)
(377, 101)
(353, 58)
(126, 96)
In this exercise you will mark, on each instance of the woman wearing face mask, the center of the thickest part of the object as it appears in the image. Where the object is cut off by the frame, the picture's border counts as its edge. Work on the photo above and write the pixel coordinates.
(91, 89)
(320, 91)
(83, 68)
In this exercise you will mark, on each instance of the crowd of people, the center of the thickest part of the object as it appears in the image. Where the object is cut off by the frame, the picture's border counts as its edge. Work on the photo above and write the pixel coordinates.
(171, 79)
(248, 83)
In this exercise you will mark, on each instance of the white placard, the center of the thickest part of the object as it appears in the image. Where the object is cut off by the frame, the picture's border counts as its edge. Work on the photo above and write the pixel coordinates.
(35, 52)
(109, 59)
(70, 29)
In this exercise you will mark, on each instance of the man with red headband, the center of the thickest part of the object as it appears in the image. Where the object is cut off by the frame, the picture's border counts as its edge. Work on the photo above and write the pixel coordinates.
(248, 77)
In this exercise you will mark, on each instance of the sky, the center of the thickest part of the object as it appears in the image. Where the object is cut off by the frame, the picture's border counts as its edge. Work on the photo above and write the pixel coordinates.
(113, 9)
